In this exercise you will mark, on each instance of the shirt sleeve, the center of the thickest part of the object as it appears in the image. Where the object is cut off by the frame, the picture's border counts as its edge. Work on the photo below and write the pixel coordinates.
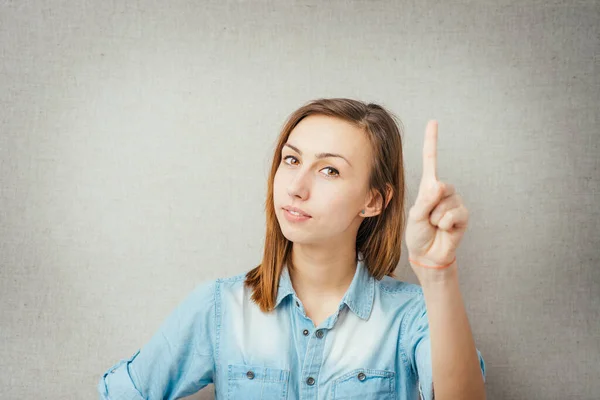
(419, 350)
(177, 361)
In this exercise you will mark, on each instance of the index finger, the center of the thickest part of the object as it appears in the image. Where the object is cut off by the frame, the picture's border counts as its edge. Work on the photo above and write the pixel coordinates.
(430, 151)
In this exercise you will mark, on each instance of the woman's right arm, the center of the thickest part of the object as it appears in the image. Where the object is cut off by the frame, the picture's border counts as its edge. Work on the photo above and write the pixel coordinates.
(177, 361)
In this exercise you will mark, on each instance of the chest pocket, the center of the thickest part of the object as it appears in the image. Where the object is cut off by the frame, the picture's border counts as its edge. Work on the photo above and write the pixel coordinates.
(365, 384)
(255, 382)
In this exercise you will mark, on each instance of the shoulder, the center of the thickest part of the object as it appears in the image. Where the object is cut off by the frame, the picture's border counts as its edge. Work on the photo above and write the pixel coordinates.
(208, 291)
(392, 287)
(232, 280)
(406, 298)
(407, 302)
(213, 290)
(395, 286)
(230, 284)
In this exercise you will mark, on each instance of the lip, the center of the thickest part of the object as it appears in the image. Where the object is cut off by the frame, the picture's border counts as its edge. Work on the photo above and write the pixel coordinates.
(296, 209)
(295, 218)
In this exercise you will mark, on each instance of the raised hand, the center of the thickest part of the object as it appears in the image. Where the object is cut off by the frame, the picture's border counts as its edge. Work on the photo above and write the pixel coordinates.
(438, 219)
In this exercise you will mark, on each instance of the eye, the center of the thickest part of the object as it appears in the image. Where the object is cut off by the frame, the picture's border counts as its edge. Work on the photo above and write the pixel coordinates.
(335, 171)
(289, 160)
(285, 159)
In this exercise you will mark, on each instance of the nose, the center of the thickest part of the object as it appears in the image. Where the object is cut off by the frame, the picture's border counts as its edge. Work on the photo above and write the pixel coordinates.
(298, 187)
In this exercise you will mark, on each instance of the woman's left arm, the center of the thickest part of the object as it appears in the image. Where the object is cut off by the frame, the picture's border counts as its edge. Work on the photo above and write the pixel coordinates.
(435, 226)
(456, 366)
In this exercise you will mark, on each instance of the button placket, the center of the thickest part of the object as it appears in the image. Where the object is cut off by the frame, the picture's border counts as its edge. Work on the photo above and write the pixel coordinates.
(315, 347)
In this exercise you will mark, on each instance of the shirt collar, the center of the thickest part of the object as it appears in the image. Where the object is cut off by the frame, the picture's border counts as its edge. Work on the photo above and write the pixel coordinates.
(285, 286)
(358, 297)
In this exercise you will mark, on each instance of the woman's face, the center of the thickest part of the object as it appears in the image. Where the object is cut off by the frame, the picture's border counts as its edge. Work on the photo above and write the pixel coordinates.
(324, 172)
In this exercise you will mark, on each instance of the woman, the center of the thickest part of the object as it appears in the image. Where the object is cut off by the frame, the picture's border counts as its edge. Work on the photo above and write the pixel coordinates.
(322, 316)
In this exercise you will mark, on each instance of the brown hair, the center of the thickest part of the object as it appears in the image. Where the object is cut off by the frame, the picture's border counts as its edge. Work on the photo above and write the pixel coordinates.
(379, 237)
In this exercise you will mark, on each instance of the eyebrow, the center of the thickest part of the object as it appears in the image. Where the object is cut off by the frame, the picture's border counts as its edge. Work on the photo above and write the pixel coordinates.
(319, 155)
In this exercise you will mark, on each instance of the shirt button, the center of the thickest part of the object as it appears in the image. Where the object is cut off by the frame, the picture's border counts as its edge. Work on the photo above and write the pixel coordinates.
(305, 332)
(250, 375)
(310, 381)
(297, 304)
(319, 334)
(362, 377)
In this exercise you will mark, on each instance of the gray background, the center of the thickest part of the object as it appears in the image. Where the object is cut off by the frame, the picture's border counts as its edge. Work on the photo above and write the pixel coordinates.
(135, 139)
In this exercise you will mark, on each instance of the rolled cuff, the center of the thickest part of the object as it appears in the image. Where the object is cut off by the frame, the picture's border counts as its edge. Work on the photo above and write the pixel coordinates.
(116, 383)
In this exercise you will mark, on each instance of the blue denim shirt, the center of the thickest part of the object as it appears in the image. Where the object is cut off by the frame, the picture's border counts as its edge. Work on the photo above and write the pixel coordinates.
(375, 346)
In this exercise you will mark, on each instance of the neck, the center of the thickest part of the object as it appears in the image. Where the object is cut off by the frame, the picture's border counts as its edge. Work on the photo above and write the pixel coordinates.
(322, 273)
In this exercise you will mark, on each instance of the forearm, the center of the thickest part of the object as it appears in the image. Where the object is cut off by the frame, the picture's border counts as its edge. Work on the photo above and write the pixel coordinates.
(456, 369)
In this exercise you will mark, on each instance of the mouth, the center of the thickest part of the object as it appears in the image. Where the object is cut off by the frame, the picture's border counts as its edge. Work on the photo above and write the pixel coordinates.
(296, 212)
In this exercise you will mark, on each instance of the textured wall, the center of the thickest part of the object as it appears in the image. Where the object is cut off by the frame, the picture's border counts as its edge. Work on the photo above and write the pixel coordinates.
(135, 139)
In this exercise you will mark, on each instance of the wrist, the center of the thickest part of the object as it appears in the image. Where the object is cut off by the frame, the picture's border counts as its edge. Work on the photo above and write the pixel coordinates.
(440, 290)
(428, 264)
(435, 276)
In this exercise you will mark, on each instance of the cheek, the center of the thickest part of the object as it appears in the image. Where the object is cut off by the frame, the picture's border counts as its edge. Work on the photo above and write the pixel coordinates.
(278, 184)
(338, 203)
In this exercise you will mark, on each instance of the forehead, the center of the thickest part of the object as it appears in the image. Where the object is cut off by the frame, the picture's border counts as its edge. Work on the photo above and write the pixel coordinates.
(321, 133)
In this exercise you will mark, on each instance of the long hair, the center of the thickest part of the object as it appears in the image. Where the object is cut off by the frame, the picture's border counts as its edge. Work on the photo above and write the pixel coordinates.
(379, 238)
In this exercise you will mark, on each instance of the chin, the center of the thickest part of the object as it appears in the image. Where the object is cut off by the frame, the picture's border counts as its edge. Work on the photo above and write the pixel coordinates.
(289, 233)
(295, 235)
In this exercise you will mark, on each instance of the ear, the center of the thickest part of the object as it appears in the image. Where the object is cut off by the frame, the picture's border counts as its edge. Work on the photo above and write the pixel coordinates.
(374, 205)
